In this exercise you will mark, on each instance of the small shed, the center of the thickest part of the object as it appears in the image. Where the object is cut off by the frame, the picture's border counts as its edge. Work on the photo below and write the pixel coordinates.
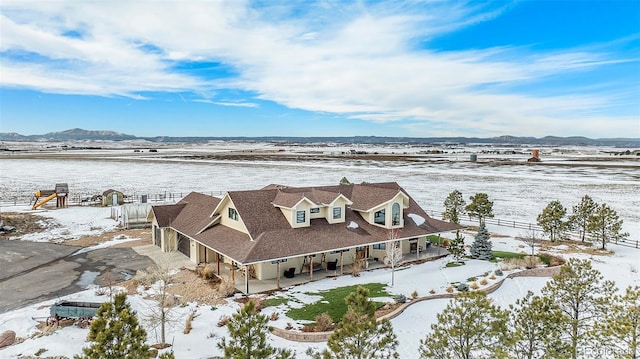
(135, 215)
(112, 197)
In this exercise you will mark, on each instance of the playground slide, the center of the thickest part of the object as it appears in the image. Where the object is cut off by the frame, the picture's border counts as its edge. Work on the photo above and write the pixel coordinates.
(45, 200)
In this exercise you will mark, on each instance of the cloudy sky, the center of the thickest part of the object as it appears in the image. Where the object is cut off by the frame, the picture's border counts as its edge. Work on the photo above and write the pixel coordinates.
(322, 68)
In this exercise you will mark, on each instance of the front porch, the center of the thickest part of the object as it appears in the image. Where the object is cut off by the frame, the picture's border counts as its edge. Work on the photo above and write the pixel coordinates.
(258, 286)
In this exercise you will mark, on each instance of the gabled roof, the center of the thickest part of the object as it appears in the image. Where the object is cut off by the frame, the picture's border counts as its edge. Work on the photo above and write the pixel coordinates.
(187, 216)
(291, 198)
(193, 216)
(165, 214)
(273, 237)
(367, 197)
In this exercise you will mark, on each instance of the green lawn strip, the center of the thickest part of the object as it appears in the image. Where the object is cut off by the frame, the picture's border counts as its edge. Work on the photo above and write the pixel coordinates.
(333, 303)
(506, 255)
(274, 302)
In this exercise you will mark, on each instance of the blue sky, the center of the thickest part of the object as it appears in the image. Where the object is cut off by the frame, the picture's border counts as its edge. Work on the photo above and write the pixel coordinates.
(322, 68)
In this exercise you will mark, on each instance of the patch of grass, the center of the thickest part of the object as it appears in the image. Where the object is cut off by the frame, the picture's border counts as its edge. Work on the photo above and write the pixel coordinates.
(454, 264)
(506, 255)
(40, 352)
(545, 259)
(332, 302)
(274, 302)
(434, 239)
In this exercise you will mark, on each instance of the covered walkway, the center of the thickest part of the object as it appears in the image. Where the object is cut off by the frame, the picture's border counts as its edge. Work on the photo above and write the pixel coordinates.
(258, 286)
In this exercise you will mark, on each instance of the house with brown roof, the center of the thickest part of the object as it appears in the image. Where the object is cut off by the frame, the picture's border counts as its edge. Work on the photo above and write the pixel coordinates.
(304, 228)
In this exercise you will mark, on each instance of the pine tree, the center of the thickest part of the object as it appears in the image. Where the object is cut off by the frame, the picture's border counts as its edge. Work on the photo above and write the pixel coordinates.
(481, 246)
(456, 247)
(345, 180)
(359, 335)
(579, 219)
(453, 207)
(470, 326)
(480, 207)
(248, 336)
(583, 296)
(535, 325)
(621, 325)
(116, 333)
(605, 225)
(552, 220)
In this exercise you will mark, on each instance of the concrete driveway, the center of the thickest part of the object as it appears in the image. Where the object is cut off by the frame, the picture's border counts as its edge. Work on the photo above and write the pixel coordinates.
(32, 272)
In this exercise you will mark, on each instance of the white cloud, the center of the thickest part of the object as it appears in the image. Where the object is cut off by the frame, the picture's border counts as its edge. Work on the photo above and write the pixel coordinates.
(357, 60)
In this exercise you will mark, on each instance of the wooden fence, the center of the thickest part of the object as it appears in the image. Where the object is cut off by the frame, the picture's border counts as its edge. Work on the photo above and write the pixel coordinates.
(571, 235)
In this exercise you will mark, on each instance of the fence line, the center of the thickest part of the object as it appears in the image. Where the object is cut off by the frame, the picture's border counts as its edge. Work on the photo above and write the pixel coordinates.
(92, 198)
(572, 235)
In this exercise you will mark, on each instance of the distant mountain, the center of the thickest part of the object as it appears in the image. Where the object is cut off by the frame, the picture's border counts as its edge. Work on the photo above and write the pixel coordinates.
(69, 135)
(80, 134)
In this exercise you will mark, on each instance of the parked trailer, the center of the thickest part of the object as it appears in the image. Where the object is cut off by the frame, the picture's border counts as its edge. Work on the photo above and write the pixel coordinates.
(66, 309)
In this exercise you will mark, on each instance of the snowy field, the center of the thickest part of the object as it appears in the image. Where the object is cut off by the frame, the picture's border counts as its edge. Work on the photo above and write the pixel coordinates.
(519, 192)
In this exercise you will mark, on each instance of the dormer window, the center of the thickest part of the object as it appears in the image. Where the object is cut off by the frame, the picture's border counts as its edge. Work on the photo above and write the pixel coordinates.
(395, 214)
(337, 212)
(300, 216)
(233, 214)
(314, 210)
(379, 217)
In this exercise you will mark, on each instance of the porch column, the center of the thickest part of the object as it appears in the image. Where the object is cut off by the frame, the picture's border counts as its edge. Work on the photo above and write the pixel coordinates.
(278, 275)
(341, 253)
(218, 260)
(246, 278)
(233, 271)
(310, 268)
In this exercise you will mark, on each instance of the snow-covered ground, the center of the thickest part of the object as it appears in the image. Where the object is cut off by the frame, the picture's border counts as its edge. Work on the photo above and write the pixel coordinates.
(519, 191)
(410, 327)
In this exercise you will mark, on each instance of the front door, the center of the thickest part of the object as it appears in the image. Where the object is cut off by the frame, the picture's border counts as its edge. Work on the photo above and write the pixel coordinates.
(114, 199)
(362, 252)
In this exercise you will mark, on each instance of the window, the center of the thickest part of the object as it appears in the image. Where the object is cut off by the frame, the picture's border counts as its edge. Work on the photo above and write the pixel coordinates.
(380, 246)
(337, 212)
(233, 214)
(300, 216)
(314, 210)
(378, 217)
(395, 215)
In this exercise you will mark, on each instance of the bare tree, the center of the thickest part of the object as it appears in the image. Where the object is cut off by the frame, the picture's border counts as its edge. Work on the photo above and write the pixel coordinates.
(529, 238)
(161, 312)
(394, 252)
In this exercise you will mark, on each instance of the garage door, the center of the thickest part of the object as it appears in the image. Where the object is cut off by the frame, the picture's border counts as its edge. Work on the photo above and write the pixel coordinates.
(184, 245)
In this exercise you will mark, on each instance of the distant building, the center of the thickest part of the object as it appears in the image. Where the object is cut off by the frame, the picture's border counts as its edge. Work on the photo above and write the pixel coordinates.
(111, 197)
(535, 156)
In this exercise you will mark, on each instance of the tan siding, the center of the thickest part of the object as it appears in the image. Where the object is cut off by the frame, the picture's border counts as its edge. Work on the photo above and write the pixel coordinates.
(228, 222)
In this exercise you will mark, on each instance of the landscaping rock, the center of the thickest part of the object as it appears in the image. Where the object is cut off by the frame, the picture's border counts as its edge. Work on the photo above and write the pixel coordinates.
(8, 337)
